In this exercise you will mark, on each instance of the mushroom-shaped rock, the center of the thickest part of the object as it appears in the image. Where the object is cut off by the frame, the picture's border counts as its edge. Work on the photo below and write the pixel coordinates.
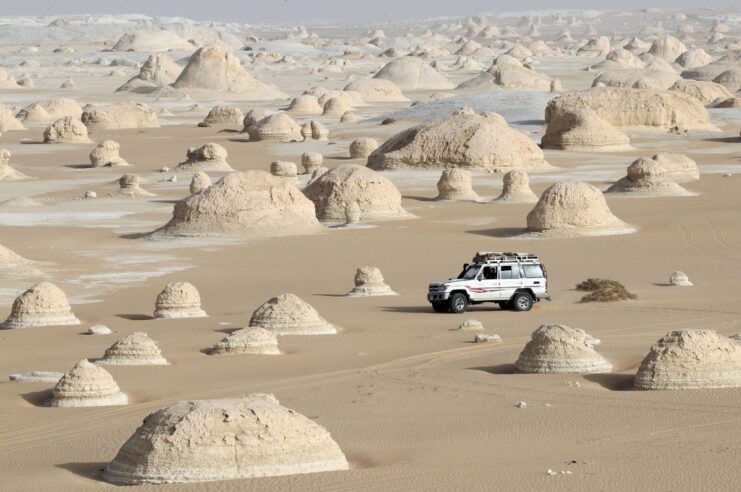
(691, 359)
(582, 129)
(311, 161)
(120, 116)
(516, 189)
(253, 204)
(455, 184)
(179, 300)
(199, 182)
(248, 341)
(283, 169)
(288, 314)
(412, 73)
(130, 187)
(561, 349)
(8, 172)
(369, 282)
(106, 154)
(465, 139)
(209, 157)
(87, 385)
(376, 196)
(680, 279)
(158, 71)
(305, 104)
(66, 130)
(278, 126)
(207, 440)
(574, 208)
(223, 116)
(647, 176)
(44, 304)
(362, 147)
(136, 349)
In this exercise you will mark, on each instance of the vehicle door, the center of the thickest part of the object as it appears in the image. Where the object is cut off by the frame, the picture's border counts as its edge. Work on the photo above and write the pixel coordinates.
(509, 280)
(487, 286)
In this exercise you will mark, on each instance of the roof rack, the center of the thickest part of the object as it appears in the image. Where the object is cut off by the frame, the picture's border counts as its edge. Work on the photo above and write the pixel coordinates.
(498, 256)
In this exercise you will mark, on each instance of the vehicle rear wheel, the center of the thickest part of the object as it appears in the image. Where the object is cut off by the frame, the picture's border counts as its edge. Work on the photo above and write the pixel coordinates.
(458, 303)
(440, 307)
(522, 301)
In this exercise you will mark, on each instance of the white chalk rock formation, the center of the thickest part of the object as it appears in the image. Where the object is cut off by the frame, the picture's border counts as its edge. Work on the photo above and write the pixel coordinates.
(37, 377)
(130, 187)
(199, 182)
(44, 304)
(369, 282)
(311, 161)
(136, 349)
(465, 139)
(516, 189)
(668, 48)
(377, 90)
(582, 129)
(574, 208)
(152, 41)
(375, 195)
(680, 279)
(561, 349)
(120, 116)
(208, 157)
(288, 314)
(9, 260)
(411, 73)
(508, 73)
(693, 58)
(251, 117)
(179, 300)
(471, 325)
(704, 91)
(208, 440)
(66, 130)
(248, 341)
(8, 172)
(646, 176)
(455, 184)
(106, 154)
(50, 110)
(335, 106)
(158, 71)
(252, 203)
(305, 104)
(99, 330)
(87, 385)
(679, 168)
(278, 126)
(283, 169)
(223, 116)
(691, 359)
(8, 121)
(362, 147)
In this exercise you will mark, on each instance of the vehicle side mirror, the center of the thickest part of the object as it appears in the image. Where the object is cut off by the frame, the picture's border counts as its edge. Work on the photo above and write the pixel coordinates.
(465, 265)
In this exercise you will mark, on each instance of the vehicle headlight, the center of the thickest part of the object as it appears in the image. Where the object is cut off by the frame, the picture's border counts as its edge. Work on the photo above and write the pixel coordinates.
(444, 287)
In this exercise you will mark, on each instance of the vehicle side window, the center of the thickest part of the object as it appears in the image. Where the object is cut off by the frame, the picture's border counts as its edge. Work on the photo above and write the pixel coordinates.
(509, 272)
(490, 273)
(532, 271)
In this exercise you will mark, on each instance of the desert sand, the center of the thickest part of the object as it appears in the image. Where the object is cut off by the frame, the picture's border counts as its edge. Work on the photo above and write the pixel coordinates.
(385, 394)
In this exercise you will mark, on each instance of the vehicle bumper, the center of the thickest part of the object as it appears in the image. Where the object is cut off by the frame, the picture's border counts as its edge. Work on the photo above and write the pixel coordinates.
(438, 296)
(546, 296)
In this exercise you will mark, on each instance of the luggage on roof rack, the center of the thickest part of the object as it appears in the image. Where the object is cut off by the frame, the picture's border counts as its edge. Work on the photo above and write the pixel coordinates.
(495, 256)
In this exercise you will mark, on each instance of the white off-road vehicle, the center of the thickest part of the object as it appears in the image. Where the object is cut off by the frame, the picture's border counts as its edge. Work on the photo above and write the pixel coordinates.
(513, 280)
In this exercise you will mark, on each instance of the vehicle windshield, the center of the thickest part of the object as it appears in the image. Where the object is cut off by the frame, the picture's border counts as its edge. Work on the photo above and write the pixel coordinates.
(470, 272)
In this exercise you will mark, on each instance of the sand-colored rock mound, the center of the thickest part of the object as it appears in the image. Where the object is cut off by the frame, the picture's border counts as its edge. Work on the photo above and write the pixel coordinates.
(87, 385)
(49, 111)
(456, 184)
(377, 90)
(369, 282)
(253, 203)
(411, 73)
(8, 121)
(561, 349)
(691, 359)
(129, 186)
(362, 147)
(376, 196)
(305, 104)
(634, 107)
(136, 349)
(106, 154)
(288, 314)
(44, 304)
(207, 440)
(730, 79)
(66, 130)
(574, 208)
(465, 139)
(208, 157)
(278, 126)
(120, 116)
(582, 129)
(284, 169)
(248, 341)
(151, 41)
(8, 172)
(508, 73)
(158, 71)
(179, 300)
(679, 168)
(704, 91)
(223, 116)
(646, 176)
(668, 48)
(680, 279)
(694, 58)
(335, 106)
(516, 189)
(311, 161)
(10, 260)
(199, 182)
(646, 78)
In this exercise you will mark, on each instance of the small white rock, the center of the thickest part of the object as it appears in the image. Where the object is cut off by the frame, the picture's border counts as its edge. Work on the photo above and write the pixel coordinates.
(37, 377)
(164, 169)
(550, 472)
(521, 404)
(486, 337)
(91, 194)
(99, 330)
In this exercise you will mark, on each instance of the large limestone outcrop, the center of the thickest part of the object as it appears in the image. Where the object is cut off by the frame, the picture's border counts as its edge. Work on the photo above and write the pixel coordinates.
(49, 111)
(582, 129)
(412, 73)
(158, 71)
(120, 116)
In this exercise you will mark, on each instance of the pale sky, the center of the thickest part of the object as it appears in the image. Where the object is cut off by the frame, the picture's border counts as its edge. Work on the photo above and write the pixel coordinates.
(297, 10)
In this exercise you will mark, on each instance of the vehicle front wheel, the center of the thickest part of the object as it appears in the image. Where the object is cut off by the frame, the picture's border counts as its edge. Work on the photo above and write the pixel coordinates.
(440, 307)
(522, 301)
(458, 303)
